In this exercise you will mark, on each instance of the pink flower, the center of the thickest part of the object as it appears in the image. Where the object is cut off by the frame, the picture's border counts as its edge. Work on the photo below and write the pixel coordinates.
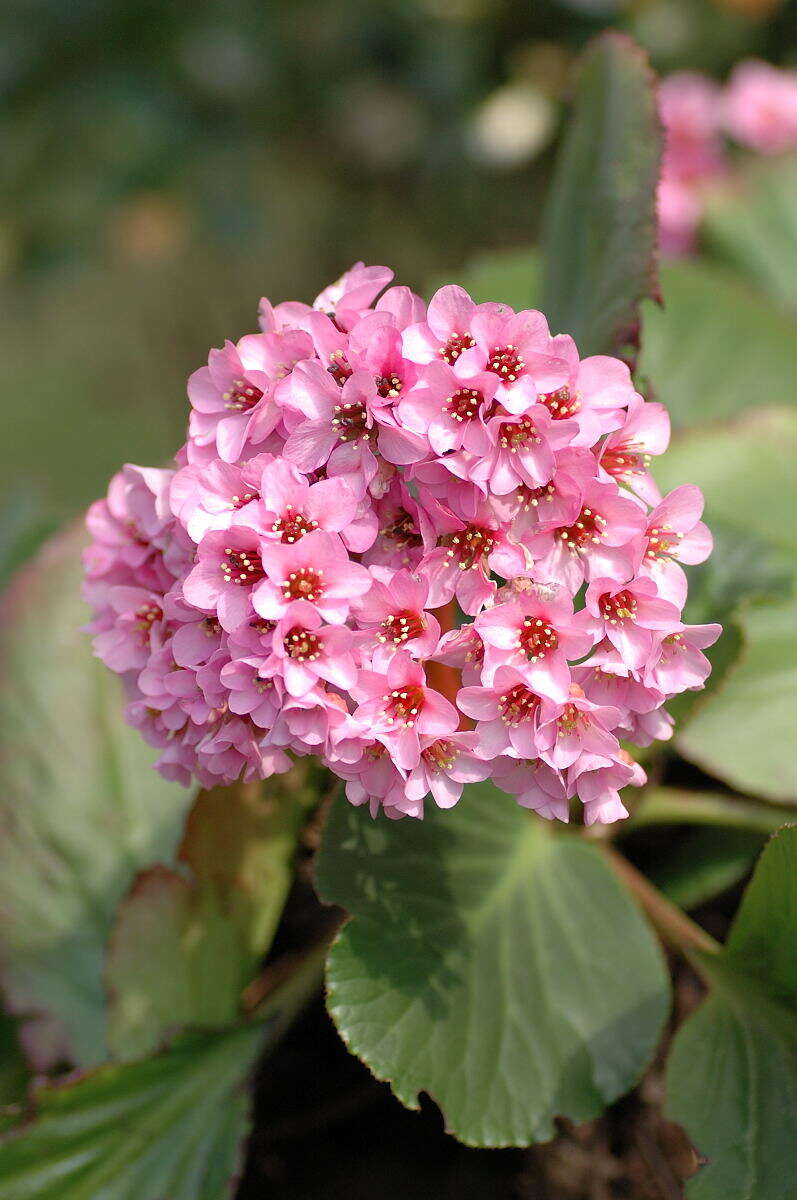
(317, 569)
(399, 708)
(509, 714)
(446, 331)
(355, 478)
(600, 536)
(445, 766)
(760, 106)
(395, 615)
(228, 569)
(233, 396)
(577, 729)
(679, 666)
(294, 507)
(631, 616)
(449, 406)
(675, 534)
(626, 453)
(536, 634)
(306, 650)
(338, 424)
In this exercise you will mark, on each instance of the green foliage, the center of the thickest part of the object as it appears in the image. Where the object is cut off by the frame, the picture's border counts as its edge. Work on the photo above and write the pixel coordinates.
(717, 348)
(754, 226)
(168, 1126)
(184, 947)
(81, 808)
(744, 731)
(732, 1077)
(498, 967)
(599, 232)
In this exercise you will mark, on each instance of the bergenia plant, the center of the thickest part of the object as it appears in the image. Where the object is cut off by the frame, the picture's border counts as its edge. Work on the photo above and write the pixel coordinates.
(421, 543)
(404, 626)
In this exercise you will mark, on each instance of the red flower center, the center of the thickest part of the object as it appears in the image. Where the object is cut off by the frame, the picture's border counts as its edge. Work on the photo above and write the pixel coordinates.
(507, 362)
(242, 395)
(619, 461)
(515, 435)
(146, 616)
(403, 531)
(389, 386)
(403, 706)
(304, 584)
(561, 404)
(292, 525)
(303, 645)
(619, 608)
(469, 546)
(402, 627)
(351, 421)
(588, 530)
(536, 637)
(245, 498)
(242, 567)
(339, 369)
(464, 405)
(529, 497)
(440, 756)
(518, 704)
(571, 720)
(662, 542)
(455, 345)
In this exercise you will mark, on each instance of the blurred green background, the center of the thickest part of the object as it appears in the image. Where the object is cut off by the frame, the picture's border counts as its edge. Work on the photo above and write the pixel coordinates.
(167, 164)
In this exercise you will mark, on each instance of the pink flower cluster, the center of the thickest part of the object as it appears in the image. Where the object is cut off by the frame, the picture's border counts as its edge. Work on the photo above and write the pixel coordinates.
(357, 477)
(757, 108)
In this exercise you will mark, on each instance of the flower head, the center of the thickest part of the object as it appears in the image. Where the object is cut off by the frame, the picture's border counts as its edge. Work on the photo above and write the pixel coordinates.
(357, 477)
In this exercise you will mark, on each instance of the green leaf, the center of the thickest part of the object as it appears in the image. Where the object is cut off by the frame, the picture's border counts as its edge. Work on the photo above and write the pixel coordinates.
(753, 225)
(164, 1128)
(732, 1075)
(744, 730)
(717, 347)
(168, 1126)
(80, 807)
(184, 946)
(600, 226)
(500, 968)
(743, 566)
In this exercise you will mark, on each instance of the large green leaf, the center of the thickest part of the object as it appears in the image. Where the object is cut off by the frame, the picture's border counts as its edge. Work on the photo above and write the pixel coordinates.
(732, 1076)
(744, 731)
(754, 225)
(81, 810)
(717, 347)
(184, 946)
(163, 1128)
(169, 1126)
(600, 228)
(500, 968)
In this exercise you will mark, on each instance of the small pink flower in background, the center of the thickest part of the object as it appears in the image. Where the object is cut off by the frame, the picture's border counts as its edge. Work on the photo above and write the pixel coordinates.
(757, 108)
(357, 477)
(760, 107)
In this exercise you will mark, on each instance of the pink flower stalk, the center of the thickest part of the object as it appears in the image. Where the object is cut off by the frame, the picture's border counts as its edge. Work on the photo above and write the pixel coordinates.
(355, 476)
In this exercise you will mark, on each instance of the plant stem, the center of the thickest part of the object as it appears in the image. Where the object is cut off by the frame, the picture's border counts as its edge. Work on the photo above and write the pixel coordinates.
(674, 926)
